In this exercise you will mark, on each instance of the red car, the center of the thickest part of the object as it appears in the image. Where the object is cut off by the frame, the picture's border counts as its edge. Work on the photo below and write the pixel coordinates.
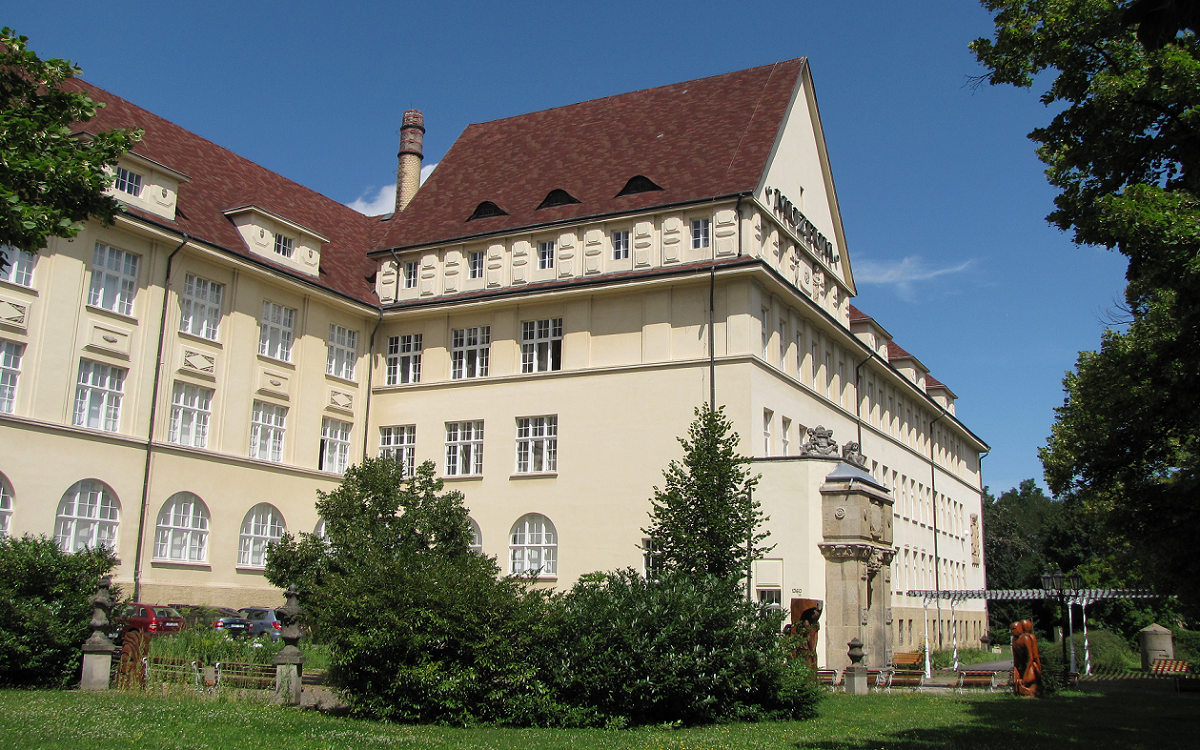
(148, 618)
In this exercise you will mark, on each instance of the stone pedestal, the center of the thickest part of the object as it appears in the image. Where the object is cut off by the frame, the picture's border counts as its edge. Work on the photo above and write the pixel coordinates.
(289, 672)
(97, 663)
(856, 680)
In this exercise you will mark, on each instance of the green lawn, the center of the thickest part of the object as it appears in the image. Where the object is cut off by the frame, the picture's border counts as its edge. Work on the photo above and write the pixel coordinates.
(1130, 721)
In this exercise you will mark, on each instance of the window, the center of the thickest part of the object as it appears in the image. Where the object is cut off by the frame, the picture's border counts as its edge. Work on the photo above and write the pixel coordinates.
(770, 597)
(128, 182)
(785, 434)
(475, 265)
(182, 529)
(699, 234)
(783, 344)
(399, 444)
(114, 279)
(200, 307)
(276, 331)
(469, 352)
(320, 531)
(537, 444)
(768, 416)
(335, 445)
(343, 351)
(649, 559)
(620, 242)
(410, 275)
(98, 396)
(284, 245)
(88, 516)
(476, 537)
(533, 546)
(404, 359)
(464, 448)
(765, 329)
(267, 424)
(20, 265)
(541, 345)
(262, 525)
(6, 506)
(546, 255)
(190, 410)
(10, 370)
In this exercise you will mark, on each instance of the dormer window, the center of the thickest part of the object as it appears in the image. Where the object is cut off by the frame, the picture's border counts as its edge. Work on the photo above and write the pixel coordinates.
(284, 245)
(558, 198)
(128, 182)
(638, 184)
(486, 210)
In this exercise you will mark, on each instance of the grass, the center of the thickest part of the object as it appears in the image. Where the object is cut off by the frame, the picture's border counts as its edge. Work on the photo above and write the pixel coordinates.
(1132, 721)
(210, 647)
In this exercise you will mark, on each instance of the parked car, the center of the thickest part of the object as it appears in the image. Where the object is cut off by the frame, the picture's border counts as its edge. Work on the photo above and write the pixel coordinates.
(222, 619)
(263, 620)
(147, 618)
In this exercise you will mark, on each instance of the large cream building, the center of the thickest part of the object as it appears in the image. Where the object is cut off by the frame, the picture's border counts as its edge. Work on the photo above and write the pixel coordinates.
(540, 319)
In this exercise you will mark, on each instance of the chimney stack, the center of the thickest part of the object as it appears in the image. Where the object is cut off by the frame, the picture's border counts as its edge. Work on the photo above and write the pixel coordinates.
(408, 175)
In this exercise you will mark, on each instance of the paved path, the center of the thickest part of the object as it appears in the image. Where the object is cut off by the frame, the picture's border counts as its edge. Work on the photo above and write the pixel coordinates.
(1000, 665)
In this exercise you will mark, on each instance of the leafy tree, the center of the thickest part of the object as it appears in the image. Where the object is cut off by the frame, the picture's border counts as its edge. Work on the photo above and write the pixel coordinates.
(705, 521)
(1124, 151)
(50, 179)
(45, 608)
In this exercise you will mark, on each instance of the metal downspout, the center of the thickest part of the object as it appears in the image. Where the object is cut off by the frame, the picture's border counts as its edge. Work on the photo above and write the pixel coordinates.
(937, 561)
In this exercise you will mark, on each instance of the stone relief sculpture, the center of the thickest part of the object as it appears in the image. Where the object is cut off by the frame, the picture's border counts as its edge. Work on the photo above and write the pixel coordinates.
(820, 442)
(1027, 665)
(852, 454)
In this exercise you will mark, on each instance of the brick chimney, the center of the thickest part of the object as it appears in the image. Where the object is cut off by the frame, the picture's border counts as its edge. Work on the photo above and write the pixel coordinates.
(408, 175)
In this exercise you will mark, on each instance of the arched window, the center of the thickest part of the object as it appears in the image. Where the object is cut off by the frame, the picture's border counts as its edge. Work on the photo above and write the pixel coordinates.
(6, 503)
(319, 532)
(476, 537)
(88, 516)
(533, 545)
(262, 525)
(182, 529)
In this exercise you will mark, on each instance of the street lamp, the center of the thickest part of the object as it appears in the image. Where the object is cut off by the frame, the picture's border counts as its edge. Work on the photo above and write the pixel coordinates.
(1054, 584)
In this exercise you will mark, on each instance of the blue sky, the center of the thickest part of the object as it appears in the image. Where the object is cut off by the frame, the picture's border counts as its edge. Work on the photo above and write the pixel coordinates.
(941, 194)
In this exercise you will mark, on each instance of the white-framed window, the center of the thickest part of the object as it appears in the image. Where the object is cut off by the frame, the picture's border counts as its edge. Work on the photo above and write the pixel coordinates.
(268, 423)
(785, 434)
(191, 406)
(766, 334)
(404, 359)
(533, 546)
(399, 443)
(20, 265)
(410, 275)
(537, 444)
(476, 537)
(88, 516)
(768, 417)
(261, 526)
(276, 331)
(182, 530)
(200, 307)
(650, 564)
(541, 345)
(98, 396)
(620, 242)
(6, 506)
(546, 255)
(464, 448)
(335, 445)
(699, 234)
(284, 245)
(770, 597)
(469, 352)
(343, 352)
(475, 265)
(10, 372)
(114, 279)
(128, 181)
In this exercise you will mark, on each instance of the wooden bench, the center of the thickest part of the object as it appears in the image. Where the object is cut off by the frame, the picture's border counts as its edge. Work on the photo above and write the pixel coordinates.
(907, 660)
(976, 679)
(909, 678)
(159, 669)
(239, 675)
(1170, 667)
(880, 679)
(830, 678)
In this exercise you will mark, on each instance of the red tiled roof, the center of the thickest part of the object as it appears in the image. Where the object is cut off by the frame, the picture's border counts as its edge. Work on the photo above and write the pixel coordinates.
(696, 140)
(856, 314)
(221, 180)
(932, 382)
(896, 352)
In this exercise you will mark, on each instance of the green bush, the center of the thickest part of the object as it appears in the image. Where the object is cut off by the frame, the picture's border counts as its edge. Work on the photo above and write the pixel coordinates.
(1187, 645)
(679, 649)
(45, 609)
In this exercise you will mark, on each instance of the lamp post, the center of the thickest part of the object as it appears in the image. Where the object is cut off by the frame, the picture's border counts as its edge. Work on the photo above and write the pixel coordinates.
(1054, 584)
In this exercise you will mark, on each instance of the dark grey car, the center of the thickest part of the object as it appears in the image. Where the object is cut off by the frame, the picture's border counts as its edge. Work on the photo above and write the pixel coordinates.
(263, 620)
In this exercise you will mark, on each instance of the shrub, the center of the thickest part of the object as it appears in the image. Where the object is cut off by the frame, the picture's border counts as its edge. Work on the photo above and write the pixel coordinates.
(45, 608)
(1187, 645)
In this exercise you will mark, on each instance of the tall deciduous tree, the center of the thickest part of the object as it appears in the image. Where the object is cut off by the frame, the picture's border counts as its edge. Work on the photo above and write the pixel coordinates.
(1124, 151)
(705, 519)
(50, 179)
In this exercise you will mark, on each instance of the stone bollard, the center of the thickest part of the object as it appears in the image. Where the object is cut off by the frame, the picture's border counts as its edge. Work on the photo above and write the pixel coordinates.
(856, 673)
(98, 649)
(1156, 642)
(289, 663)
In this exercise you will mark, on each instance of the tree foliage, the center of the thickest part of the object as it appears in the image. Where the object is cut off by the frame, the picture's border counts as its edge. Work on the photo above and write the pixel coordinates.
(50, 179)
(705, 520)
(1124, 152)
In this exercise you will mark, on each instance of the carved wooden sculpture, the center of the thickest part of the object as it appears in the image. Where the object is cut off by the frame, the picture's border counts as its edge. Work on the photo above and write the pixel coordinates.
(1027, 665)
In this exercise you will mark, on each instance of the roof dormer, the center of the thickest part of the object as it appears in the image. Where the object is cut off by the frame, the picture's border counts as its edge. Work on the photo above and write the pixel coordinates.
(277, 239)
(146, 184)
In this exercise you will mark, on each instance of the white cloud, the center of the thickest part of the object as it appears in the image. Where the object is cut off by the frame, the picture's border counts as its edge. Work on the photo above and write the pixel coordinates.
(384, 200)
(902, 275)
